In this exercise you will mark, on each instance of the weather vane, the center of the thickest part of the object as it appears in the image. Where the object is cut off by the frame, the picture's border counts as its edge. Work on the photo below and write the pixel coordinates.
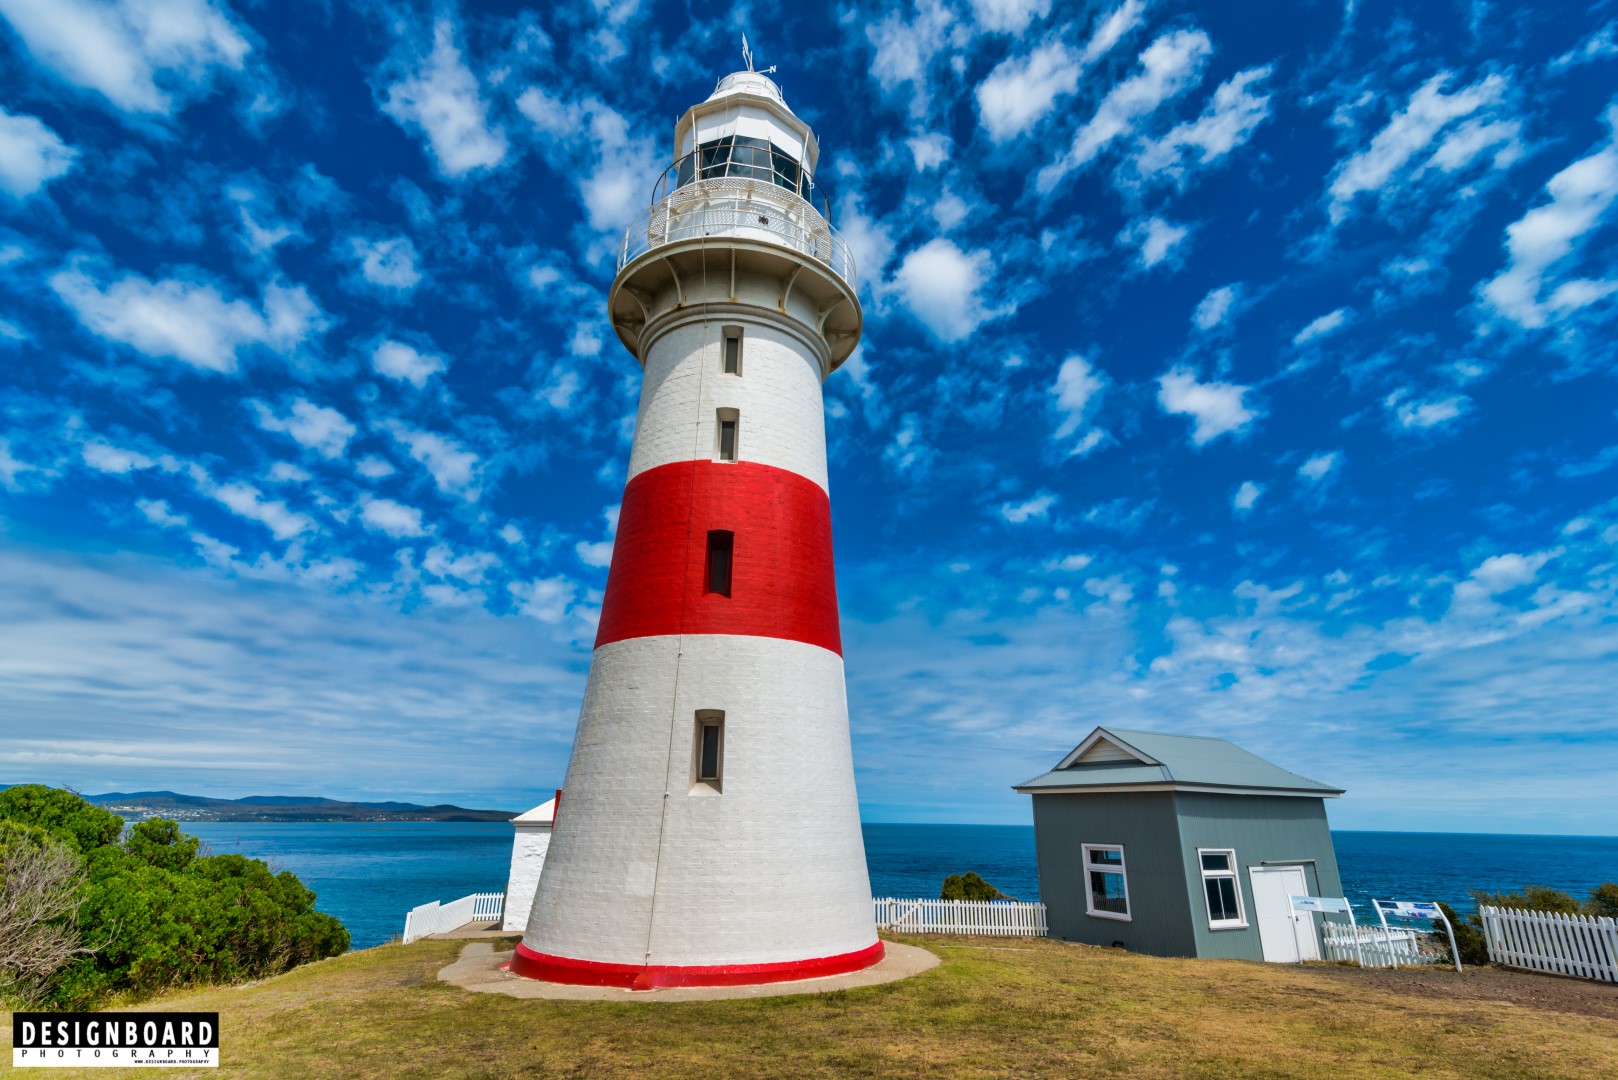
(747, 55)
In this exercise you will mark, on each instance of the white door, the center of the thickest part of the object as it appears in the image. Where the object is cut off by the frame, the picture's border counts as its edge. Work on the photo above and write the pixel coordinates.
(1283, 932)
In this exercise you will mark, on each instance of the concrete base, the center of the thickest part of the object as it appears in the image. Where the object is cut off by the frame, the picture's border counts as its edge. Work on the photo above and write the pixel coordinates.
(480, 970)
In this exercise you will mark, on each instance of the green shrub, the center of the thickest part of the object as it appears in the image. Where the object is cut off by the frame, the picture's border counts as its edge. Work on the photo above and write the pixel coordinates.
(161, 914)
(1532, 898)
(969, 886)
(1469, 939)
(1603, 900)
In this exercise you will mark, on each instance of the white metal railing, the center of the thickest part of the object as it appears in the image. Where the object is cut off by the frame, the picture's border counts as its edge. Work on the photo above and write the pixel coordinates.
(994, 918)
(435, 918)
(1584, 946)
(1371, 946)
(738, 209)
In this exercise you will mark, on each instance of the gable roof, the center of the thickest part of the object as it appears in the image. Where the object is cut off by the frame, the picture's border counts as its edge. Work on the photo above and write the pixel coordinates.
(1123, 759)
(543, 814)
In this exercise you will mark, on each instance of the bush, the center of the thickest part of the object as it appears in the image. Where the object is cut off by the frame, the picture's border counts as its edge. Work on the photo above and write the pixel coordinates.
(40, 880)
(1532, 898)
(161, 914)
(1603, 900)
(969, 886)
(1469, 939)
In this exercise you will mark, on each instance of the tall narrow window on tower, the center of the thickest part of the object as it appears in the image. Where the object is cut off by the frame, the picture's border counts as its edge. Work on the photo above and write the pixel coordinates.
(729, 421)
(721, 553)
(708, 753)
(733, 350)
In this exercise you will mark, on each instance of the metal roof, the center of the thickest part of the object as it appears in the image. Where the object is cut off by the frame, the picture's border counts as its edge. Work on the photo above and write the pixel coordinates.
(1160, 761)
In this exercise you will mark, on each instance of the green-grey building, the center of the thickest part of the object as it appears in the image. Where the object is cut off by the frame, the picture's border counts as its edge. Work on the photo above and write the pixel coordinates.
(1179, 845)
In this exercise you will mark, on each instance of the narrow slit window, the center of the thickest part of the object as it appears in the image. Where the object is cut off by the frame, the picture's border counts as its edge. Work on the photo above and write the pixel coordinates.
(721, 555)
(733, 350)
(729, 423)
(708, 753)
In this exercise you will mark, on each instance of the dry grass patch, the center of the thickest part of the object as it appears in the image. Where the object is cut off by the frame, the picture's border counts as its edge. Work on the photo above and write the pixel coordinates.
(1038, 1008)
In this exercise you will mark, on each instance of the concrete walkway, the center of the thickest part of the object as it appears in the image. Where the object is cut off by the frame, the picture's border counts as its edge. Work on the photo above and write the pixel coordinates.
(478, 970)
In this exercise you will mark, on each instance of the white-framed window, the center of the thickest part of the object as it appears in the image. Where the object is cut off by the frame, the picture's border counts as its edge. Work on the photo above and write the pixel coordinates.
(1220, 890)
(1106, 891)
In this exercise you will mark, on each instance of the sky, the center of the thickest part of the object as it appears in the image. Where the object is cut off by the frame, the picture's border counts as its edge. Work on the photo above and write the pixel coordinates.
(1237, 370)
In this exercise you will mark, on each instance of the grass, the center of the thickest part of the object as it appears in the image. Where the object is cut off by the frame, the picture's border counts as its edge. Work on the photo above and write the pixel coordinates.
(1023, 1008)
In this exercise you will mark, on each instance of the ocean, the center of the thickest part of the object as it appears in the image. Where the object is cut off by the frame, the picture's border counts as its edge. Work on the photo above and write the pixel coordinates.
(369, 875)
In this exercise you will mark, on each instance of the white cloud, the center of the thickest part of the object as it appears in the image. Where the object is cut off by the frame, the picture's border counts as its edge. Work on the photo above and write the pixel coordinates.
(1070, 563)
(941, 286)
(510, 533)
(1246, 496)
(317, 427)
(1009, 16)
(1169, 66)
(189, 320)
(454, 468)
(1111, 29)
(1229, 120)
(141, 55)
(904, 50)
(470, 567)
(391, 518)
(1078, 387)
(1217, 308)
(10, 467)
(594, 554)
(1407, 134)
(248, 502)
(442, 99)
(1216, 408)
(1326, 325)
(1319, 465)
(1157, 241)
(1549, 235)
(545, 599)
(389, 263)
(1022, 90)
(1037, 507)
(1598, 46)
(397, 360)
(374, 468)
(909, 450)
(284, 472)
(159, 513)
(930, 150)
(1419, 415)
(1501, 573)
(31, 154)
(104, 457)
(868, 238)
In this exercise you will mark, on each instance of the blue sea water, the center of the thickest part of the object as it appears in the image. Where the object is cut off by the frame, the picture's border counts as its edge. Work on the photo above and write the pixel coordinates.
(370, 874)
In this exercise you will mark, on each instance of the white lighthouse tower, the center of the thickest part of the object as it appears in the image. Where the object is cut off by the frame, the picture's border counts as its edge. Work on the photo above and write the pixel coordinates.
(708, 832)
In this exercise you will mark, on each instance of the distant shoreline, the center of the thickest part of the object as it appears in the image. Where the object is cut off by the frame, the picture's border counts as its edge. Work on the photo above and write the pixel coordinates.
(281, 809)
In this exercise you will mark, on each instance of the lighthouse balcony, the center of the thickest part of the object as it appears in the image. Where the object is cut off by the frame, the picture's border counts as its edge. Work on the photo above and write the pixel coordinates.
(758, 194)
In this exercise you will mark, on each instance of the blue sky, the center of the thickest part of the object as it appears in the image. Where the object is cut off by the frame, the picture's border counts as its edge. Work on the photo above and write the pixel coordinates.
(1243, 370)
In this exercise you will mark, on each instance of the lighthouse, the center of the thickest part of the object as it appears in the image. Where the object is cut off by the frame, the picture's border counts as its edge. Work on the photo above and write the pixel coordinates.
(708, 831)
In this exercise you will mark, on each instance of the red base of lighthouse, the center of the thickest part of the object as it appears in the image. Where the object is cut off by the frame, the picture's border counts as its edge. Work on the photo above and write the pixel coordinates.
(560, 969)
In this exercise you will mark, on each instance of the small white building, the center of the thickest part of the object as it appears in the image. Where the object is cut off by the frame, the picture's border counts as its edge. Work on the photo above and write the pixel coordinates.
(528, 848)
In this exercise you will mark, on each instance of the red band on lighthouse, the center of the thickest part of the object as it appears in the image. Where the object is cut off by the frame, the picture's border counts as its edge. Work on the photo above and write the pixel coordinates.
(783, 584)
(561, 969)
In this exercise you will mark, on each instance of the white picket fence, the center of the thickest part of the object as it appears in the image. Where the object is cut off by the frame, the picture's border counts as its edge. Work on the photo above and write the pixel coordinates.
(436, 918)
(994, 918)
(1583, 946)
(1368, 946)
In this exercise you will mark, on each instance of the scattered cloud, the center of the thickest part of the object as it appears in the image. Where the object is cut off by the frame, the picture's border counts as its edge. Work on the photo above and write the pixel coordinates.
(388, 263)
(1412, 414)
(942, 286)
(1230, 119)
(391, 518)
(1324, 326)
(1246, 496)
(1029, 509)
(188, 319)
(1022, 90)
(396, 360)
(1077, 390)
(1218, 308)
(316, 427)
(1170, 66)
(1157, 241)
(453, 467)
(1216, 408)
(1318, 466)
(440, 97)
(143, 57)
(31, 155)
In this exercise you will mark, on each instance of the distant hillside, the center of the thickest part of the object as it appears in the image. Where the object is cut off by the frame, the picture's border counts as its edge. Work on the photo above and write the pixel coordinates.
(143, 804)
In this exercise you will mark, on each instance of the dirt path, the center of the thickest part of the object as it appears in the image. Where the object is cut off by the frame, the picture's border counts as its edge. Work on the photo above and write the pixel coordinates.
(1554, 992)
